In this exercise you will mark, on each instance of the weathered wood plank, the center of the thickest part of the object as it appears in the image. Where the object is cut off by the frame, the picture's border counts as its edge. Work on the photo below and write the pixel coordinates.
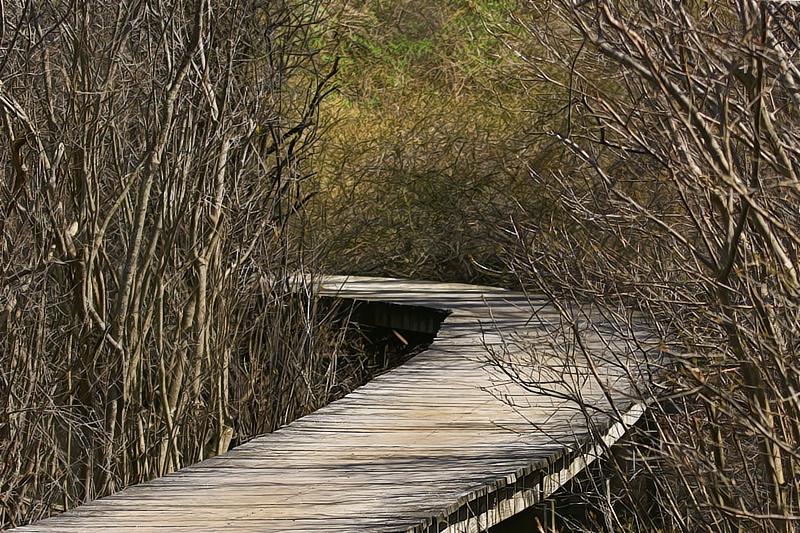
(448, 438)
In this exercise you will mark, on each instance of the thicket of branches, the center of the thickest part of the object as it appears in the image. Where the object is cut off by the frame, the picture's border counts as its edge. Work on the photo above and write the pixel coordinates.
(156, 170)
(154, 166)
(680, 195)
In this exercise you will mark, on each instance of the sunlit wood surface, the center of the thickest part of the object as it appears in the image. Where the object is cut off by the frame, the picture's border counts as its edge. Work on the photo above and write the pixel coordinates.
(446, 442)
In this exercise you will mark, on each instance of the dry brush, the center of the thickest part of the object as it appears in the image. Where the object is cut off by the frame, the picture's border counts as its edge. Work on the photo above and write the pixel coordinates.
(680, 198)
(154, 174)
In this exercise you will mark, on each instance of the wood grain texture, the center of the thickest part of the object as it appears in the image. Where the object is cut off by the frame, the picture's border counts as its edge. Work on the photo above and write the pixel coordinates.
(450, 441)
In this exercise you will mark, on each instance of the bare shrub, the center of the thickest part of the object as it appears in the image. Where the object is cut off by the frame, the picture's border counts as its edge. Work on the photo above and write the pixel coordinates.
(154, 177)
(681, 200)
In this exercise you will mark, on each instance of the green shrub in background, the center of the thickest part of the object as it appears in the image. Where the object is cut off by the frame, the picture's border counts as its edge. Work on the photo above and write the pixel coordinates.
(426, 153)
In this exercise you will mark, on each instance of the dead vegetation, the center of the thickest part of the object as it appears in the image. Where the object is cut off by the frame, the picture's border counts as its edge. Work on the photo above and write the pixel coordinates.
(681, 200)
(155, 174)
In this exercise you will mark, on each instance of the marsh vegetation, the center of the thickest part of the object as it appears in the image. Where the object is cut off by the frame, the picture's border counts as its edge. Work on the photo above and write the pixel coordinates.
(168, 166)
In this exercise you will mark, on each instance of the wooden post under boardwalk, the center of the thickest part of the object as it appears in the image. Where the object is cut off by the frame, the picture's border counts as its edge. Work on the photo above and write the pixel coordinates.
(447, 442)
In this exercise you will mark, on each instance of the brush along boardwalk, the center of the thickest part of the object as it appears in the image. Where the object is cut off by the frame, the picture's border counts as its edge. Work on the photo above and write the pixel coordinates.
(472, 431)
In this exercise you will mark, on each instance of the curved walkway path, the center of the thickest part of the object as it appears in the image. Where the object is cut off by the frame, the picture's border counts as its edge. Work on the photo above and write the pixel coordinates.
(446, 442)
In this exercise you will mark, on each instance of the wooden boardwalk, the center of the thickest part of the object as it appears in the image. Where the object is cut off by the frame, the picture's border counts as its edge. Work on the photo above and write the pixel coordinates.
(446, 442)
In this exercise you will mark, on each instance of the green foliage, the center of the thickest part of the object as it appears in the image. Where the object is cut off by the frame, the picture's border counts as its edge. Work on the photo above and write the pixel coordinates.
(423, 162)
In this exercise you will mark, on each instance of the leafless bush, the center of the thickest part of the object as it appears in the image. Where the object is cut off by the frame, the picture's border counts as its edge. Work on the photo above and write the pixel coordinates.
(152, 186)
(682, 195)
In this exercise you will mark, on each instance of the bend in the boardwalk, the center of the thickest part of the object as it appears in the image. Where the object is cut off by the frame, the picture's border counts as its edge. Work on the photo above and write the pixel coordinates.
(450, 441)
